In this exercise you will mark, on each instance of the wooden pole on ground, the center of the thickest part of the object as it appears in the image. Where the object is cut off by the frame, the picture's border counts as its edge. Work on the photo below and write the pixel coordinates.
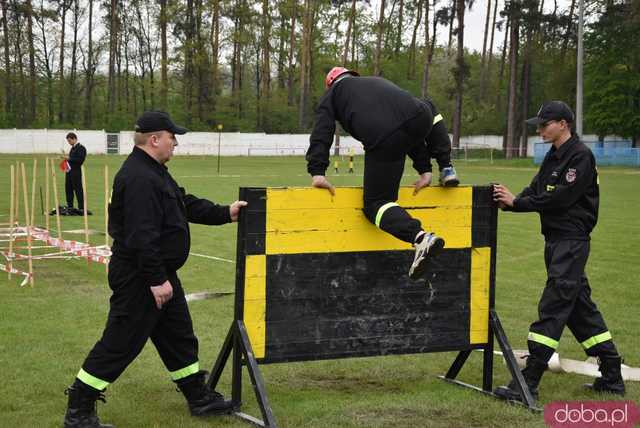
(85, 203)
(11, 217)
(33, 191)
(17, 202)
(25, 193)
(56, 201)
(46, 194)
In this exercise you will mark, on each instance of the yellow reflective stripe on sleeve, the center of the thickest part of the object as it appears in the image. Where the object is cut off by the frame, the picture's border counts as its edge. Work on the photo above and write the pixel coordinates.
(381, 211)
(547, 341)
(437, 118)
(550, 188)
(593, 341)
(92, 381)
(186, 371)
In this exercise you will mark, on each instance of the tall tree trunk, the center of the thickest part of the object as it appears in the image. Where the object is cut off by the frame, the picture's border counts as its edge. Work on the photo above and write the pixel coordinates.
(526, 72)
(483, 69)
(503, 59)
(151, 66)
(113, 53)
(282, 36)
(304, 62)
(236, 84)
(89, 73)
(352, 17)
(490, 51)
(61, 86)
(528, 59)
(292, 43)
(71, 91)
(452, 16)
(513, 78)
(396, 50)
(47, 65)
(266, 69)
(411, 69)
(354, 57)
(189, 79)
(486, 33)
(200, 60)
(567, 32)
(377, 54)
(123, 92)
(428, 47)
(32, 63)
(460, 75)
(8, 89)
(141, 57)
(21, 113)
(164, 82)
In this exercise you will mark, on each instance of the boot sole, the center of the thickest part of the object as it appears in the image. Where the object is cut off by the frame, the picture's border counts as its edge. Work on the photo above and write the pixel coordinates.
(419, 271)
(454, 182)
(604, 391)
(507, 394)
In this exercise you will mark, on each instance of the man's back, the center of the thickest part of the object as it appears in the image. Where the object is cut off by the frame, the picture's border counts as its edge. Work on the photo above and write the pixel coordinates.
(371, 108)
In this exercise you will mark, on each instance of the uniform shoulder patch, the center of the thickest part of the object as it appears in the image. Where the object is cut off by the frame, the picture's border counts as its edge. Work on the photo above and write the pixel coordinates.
(571, 175)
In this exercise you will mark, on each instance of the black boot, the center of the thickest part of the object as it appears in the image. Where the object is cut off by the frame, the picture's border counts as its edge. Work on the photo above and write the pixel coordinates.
(532, 374)
(81, 411)
(203, 401)
(611, 380)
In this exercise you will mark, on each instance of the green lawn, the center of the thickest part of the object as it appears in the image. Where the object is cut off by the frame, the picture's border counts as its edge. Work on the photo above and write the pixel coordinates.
(46, 331)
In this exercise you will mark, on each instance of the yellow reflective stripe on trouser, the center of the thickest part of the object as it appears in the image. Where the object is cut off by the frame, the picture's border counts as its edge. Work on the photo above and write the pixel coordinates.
(547, 341)
(593, 341)
(381, 211)
(184, 372)
(92, 381)
(437, 118)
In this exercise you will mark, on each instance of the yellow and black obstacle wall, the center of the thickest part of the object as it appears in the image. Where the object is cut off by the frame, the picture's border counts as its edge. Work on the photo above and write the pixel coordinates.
(316, 280)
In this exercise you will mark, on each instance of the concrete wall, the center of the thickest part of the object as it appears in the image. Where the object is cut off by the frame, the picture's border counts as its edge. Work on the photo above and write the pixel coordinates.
(206, 143)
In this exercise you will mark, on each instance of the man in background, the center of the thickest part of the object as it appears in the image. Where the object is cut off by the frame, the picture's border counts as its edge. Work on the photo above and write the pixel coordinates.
(73, 176)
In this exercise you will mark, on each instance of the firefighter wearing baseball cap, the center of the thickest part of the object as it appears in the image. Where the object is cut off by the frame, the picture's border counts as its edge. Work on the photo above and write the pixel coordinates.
(148, 220)
(391, 124)
(565, 194)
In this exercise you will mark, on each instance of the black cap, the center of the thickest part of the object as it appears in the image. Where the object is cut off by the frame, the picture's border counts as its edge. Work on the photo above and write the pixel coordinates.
(153, 121)
(553, 110)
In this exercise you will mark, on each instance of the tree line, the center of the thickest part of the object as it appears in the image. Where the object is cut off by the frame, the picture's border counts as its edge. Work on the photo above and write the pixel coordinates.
(259, 65)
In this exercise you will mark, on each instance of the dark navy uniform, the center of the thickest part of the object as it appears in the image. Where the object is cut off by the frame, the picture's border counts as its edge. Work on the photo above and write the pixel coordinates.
(148, 220)
(391, 124)
(73, 177)
(565, 193)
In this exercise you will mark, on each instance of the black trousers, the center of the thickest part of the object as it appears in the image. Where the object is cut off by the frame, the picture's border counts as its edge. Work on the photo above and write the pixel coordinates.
(383, 168)
(566, 301)
(73, 184)
(133, 318)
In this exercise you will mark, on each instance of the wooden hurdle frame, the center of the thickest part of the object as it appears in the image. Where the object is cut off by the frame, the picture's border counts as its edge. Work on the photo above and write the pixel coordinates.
(254, 230)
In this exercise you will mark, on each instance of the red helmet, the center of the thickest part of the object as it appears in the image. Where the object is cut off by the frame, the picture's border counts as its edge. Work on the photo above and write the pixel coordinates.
(335, 73)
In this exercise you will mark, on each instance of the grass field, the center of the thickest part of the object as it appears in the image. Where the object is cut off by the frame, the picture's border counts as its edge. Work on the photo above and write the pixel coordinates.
(46, 331)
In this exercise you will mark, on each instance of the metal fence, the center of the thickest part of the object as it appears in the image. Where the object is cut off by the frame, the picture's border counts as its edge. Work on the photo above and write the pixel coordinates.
(618, 153)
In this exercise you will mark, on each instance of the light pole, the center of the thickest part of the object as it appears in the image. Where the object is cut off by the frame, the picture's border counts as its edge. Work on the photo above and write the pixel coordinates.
(219, 131)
